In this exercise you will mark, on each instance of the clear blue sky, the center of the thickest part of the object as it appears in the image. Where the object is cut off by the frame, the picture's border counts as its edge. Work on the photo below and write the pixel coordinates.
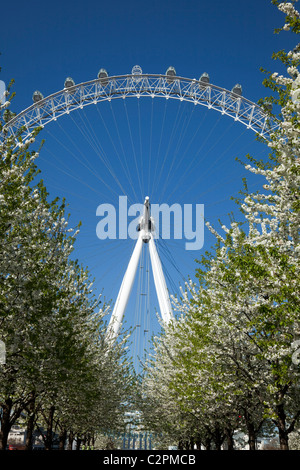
(44, 42)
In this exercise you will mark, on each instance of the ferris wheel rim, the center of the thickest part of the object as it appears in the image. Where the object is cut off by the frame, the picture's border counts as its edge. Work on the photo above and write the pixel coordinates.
(66, 100)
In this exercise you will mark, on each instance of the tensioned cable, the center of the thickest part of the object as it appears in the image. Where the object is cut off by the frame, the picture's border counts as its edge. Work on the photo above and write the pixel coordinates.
(201, 121)
(191, 161)
(224, 182)
(251, 185)
(91, 138)
(117, 274)
(158, 247)
(75, 145)
(228, 147)
(196, 181)
(220, 156)
(150, 147)
(203, 156)
(103, 154)
(173, 133)
(133, 149)
(140, 142)
(166, 253)
(93, 172)
(71, 175)
(74, 209)
(77, 178)
(112, 253)
(215, 161)
(166, 272)
(123, 151)
(94, 145)
(126, 170)
(159, 147)
(175, 124)
(183, 155)
(241, 150)
(171, 257)
(180, 251)
(183, 130)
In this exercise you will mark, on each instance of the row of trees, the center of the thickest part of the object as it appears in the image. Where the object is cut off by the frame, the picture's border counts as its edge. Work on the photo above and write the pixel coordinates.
(59, 374)
(230, 361)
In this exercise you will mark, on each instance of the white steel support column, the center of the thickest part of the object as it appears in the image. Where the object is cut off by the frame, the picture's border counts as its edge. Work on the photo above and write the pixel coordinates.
(160, 283)
(145, 236)
(125, 290)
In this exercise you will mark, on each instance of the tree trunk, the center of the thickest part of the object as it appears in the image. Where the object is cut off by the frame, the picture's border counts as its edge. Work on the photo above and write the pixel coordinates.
(198, 444)
(62, 439)
(284, 440)
(29, 432)
(71, 439)
(5, 423)
(218, 439)
(192, 443)
(281, 424)
(78, 443)
(230, 441)
(49, 438)
(207, 443)
(30, 425)
(251, 436)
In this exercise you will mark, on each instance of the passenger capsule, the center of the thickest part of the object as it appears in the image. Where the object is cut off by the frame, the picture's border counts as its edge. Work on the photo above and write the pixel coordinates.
(37, 96)
(171, 73)
(8, 115)
(69, 82)
(136, 70)
(237, 90)
(103, 77)
(268, 106)
(137, 73)
(204, 80)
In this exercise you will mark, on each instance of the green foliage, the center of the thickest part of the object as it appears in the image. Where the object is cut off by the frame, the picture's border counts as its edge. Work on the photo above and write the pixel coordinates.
(51, 321)
(230, 352)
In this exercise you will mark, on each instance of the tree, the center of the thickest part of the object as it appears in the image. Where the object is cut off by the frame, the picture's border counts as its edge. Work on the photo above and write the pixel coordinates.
(241, 322)
(51, 322)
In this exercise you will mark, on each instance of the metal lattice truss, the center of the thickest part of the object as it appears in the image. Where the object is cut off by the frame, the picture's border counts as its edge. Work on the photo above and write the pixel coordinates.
(107, 88)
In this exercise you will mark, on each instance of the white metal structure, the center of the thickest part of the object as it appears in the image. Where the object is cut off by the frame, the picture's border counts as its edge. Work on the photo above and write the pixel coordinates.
(146, 228)
(137, 84)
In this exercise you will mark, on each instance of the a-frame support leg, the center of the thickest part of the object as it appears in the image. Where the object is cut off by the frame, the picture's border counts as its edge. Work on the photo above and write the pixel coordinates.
(160, 283)
(125, 290)
(145, 236)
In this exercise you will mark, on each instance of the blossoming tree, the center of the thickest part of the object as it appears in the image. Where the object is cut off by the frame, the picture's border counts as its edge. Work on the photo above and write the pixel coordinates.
(51, 322)
(235, 341)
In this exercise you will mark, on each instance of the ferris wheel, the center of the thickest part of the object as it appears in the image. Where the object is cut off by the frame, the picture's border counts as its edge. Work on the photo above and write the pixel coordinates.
(137, 84)
(105, 89)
